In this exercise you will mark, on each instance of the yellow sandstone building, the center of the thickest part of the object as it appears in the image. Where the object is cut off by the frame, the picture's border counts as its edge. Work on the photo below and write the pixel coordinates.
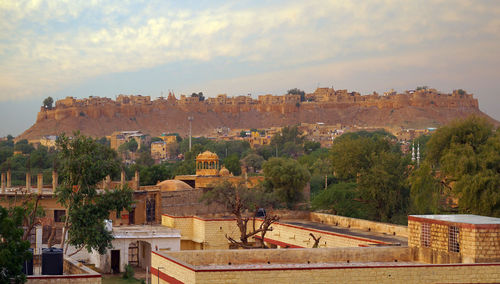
(439, 249)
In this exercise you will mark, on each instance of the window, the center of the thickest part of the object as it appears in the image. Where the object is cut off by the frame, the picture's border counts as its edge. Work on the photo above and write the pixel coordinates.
(454, 239)
(59, 215)
(425, 235)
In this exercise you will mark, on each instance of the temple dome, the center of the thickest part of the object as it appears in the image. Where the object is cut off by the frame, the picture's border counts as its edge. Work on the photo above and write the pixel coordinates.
(224, 172)
(207, 155)
(173, 185)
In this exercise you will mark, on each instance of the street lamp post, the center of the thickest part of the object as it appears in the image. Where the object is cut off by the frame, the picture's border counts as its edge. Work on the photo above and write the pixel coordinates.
(158, 274)
(190, 118)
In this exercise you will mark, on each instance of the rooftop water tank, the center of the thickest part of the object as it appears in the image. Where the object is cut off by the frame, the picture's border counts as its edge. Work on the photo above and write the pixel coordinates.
(52, 261)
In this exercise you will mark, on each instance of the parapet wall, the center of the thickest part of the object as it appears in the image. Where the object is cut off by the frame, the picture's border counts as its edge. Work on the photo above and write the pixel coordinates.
(223, 257)
(94, 107)
(384, 228)
(377, 265)
(74, 273)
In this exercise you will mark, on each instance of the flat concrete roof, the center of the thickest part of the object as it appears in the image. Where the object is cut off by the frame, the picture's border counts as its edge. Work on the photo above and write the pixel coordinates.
(462, 218)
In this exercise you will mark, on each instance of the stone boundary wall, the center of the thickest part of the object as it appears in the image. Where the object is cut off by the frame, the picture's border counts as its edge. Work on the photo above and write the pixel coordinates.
(212, 233)
(193, 259)
(74, 273)
(177, 270)
(187, 202)
(384, 228)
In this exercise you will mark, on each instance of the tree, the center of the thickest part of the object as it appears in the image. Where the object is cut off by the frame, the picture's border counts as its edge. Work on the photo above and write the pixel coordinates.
(153, 174)
(288, 134)
(232, 163)
(299, 92)
(341, 199)
(145, 159)
(463, 161)
(253, 162)
(84, 163)
(287, 178)
(13, 249)
(155, 139)
(47, 103)
(237, 198)
(24, 146)
(311, 146)
(383, 186)
(378, 168)
(200, 96)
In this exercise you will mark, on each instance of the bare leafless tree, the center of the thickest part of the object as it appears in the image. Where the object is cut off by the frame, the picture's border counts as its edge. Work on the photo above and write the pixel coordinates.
(238, 198)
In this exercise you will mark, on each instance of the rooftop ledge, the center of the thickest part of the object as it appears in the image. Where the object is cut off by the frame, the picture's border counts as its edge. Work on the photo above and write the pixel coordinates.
(154, 231)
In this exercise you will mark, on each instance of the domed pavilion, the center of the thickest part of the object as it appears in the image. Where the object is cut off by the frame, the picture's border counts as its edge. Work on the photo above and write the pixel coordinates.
(207, 164)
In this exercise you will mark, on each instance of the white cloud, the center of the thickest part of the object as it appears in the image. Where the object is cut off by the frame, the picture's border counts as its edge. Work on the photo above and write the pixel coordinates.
(52, 44)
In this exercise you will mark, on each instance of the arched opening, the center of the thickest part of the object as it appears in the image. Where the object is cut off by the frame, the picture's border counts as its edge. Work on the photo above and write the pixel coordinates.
(139, 254)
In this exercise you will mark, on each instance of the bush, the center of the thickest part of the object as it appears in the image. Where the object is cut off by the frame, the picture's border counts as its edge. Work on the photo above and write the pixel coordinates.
(129, 272)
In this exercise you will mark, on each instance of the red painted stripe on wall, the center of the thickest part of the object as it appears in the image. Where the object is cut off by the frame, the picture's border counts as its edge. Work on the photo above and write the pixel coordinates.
(164, 276)
(278, 243)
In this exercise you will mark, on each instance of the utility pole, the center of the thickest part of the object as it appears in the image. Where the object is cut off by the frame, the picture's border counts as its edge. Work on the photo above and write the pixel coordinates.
(190, 118)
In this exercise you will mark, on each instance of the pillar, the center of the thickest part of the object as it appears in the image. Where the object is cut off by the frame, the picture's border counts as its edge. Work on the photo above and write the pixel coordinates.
(55, 177)
(9, 179)
(3, 182)
(39, 183)
(38, 240)
(122, 179)
(136, 179)
(28, 181)
(108, 182)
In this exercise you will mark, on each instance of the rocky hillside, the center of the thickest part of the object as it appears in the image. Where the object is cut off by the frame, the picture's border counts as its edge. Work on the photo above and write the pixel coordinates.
(101, 116)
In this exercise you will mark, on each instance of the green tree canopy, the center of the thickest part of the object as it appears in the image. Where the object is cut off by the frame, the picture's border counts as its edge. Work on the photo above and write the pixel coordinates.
(253, 162)
(378, 168)
(462, 160)
(24, 146)
(47, 102)
(13, 250)
(233, 164)
(296, 91)
(130, 145)
(287, 178)
(84, 163)
(199, 95)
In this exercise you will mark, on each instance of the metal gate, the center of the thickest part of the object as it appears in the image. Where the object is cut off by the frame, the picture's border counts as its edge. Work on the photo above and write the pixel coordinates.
(133, 254)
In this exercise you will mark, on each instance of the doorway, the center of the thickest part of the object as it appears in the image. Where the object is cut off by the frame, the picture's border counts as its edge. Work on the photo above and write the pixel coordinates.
(131, 217)
(115, 261)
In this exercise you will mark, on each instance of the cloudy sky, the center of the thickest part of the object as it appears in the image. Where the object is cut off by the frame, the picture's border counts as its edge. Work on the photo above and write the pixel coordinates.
(105, 48)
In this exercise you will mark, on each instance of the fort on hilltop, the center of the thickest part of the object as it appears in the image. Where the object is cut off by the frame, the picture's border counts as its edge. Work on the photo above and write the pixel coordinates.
(98, 116)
